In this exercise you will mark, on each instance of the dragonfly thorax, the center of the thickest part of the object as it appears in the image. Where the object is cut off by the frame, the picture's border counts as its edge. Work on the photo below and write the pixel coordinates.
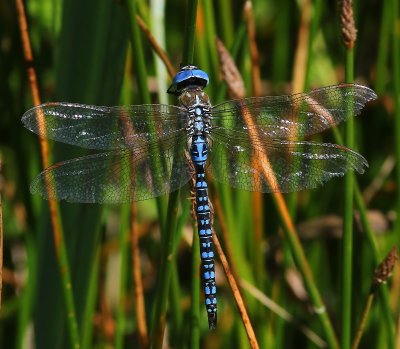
(198, 111)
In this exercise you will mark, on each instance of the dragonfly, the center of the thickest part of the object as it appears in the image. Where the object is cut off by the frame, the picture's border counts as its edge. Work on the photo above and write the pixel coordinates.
(256, 144)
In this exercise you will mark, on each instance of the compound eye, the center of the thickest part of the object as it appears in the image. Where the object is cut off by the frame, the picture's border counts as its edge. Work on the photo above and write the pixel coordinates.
(188, 76)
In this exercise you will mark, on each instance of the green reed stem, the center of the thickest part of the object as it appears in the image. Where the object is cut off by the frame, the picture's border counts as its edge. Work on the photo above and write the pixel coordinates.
(314, 29)
(347, 240)
(370, 235)
(28, 293)
(396, 93)
(183, 218)
(210, 35)
(90, 306)
(190, 29)
(124, 272)
(382, 290)
(176, 316)
(226, 20)
(195, 306)
(364, 315)
(167, 261)
(382, 71)
(305, 269)
(282, 45)
(137, 47)
(68, 296)
(141, 74)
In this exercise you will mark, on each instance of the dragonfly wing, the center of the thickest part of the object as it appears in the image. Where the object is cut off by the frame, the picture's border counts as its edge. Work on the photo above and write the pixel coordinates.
(300, 114)
(277, 165)
(97, 127)
(116, 176)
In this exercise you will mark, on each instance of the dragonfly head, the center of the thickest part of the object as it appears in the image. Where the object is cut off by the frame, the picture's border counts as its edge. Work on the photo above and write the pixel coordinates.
(188, 76)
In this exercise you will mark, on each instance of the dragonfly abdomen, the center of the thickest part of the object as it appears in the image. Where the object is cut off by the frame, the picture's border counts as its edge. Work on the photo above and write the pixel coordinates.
(198, 152)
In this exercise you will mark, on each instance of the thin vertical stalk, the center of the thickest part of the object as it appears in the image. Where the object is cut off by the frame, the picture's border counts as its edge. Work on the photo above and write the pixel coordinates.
(305, 269)
(236, 294)
(396, 93)
(55, 217)
(159, 319)
(364, 316)
(137, 281)
(381, 275)
(141, 71)
(157, 8)
(159, 53)
(301, 67)
(225, 10)
(383, 50)
(370, 235)
(134, 239)
(90, 306)
(234, 52)
(256, 197)
(190, 29)
(1, 232)
(195, 307)
(139, 62)
(314, 27)
(282, 43)
(210, 36)
(349, 38)
(174, 302)
(302, 49)
(124, 251)
(347, 240)
(25, 315)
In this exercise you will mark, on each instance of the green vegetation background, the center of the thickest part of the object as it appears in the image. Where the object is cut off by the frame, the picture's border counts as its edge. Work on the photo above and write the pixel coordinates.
(83, 54)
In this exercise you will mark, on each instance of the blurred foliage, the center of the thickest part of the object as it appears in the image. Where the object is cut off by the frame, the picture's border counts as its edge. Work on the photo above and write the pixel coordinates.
(82, 54)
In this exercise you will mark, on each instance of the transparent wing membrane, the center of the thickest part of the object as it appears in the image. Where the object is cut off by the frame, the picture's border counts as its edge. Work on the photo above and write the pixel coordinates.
(116, 176)
(96, 127)
(276, 165)
(299, 114)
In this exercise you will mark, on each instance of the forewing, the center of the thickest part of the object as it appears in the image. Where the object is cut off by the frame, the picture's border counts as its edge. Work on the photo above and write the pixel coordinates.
(97, 127)
(117, 176)
(295, 115)
(278, 165)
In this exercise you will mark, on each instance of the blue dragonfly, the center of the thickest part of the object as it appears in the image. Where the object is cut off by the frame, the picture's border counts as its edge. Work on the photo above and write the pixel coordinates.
(256, 144)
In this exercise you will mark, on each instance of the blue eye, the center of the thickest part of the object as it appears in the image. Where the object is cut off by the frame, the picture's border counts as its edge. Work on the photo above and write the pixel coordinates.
(201, 75)
(188, 76)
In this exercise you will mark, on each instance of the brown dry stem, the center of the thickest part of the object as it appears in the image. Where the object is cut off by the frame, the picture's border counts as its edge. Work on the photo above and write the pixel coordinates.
(236, 294)
(254, 55)
(230, 72)
(137, 281)
(301, 55)
(44, 147)
(156, 46)
(381, 275)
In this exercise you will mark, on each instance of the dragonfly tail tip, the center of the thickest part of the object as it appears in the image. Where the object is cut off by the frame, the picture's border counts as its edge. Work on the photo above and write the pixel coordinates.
(212, 321)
